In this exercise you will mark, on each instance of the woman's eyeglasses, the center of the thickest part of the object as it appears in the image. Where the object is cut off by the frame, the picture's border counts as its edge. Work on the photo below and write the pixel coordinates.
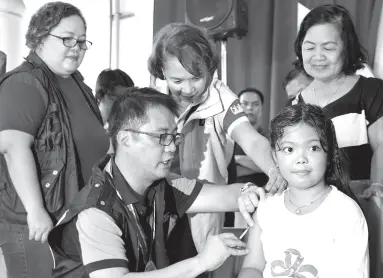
(72, 42)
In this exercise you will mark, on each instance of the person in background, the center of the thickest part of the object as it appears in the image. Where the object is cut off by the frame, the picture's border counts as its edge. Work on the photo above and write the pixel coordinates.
(324, 230)
(252, 101)
(295, 81)
(51, 134)
(328, 49)
(108, 88)
(121, 224)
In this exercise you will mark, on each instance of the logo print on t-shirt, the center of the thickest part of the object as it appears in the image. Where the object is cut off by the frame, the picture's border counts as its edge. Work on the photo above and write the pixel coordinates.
(236, 108)
(293, 266)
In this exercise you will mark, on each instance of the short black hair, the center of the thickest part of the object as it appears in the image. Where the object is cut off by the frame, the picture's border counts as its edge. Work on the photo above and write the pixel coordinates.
(129, 109)
(252, 90)
(354, 55)
(109, 80)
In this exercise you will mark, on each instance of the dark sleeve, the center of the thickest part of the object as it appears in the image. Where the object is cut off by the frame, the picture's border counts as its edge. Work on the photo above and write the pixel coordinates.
(21, 104)
(289, 102)
(373, 99)
(185, 193)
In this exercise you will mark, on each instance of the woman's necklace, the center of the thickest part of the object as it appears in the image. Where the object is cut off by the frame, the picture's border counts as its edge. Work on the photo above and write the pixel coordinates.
(332, 95)
(298, 209)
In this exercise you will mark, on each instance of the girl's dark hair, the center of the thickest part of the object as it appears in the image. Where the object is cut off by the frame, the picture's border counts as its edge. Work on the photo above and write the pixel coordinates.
(46, 18)
(109, 80)
(354, 54)
(190, 45)
(313, 116)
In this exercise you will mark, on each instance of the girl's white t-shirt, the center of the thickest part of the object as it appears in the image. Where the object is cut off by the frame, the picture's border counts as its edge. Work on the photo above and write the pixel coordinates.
(330, 242)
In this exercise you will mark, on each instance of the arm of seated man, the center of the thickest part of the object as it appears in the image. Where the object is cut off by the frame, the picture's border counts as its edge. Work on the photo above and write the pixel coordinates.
(102, 247)
(103, 251)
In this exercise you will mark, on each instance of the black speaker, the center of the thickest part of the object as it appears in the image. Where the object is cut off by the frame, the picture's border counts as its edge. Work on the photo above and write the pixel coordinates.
(222, 18)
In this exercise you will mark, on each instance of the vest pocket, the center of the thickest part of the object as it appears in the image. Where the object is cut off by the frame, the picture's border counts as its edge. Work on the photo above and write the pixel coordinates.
(53, 184)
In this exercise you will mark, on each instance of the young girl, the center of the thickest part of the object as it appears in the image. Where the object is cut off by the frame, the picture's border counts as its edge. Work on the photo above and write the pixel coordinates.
(314, 229)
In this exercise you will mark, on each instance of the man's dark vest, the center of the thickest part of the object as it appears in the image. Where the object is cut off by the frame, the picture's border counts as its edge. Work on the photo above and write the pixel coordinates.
(100, 194)
(53, 148)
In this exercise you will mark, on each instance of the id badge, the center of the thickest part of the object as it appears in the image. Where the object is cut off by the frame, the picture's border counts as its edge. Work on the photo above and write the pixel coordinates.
(150, 266)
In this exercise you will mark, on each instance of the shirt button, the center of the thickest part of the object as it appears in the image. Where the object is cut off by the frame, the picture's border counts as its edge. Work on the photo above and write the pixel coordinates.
(47, 185)
(102, 203)
(55, 172)
(141, 211)
(97, 185)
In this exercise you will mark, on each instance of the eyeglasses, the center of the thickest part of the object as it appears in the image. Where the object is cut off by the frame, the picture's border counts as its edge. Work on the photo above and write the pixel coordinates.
(72, 42)
(165, 138)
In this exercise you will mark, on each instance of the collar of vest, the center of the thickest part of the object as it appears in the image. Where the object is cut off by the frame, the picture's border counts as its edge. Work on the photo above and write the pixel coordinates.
(104, 168)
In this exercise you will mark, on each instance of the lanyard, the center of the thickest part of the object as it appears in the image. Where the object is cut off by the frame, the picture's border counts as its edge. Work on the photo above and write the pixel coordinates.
(132, 209)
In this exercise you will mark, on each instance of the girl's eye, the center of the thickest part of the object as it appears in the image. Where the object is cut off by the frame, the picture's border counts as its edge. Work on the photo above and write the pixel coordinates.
(287, 149)
(315, 148)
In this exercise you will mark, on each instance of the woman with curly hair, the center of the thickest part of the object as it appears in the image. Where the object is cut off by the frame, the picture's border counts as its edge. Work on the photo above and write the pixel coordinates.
(51, 134)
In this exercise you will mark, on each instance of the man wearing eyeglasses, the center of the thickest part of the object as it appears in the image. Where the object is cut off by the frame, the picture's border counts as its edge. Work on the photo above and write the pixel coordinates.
(121, 224)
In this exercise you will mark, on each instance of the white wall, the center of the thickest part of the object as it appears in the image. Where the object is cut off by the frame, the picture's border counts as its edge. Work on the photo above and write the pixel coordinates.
(11, 43)
(136, 36)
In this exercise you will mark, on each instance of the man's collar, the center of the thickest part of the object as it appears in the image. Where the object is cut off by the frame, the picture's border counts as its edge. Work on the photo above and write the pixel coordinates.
(126, 192)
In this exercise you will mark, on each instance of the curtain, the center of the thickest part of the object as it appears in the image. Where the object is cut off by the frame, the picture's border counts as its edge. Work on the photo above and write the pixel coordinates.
(263, 57)
(365, 15)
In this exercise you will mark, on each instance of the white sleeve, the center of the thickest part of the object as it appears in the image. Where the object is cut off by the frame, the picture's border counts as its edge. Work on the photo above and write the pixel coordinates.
(233, 113)
(102, 248)
(351, 258)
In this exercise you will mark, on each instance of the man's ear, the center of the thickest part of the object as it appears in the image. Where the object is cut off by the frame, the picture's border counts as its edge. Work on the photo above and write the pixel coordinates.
(124, 138)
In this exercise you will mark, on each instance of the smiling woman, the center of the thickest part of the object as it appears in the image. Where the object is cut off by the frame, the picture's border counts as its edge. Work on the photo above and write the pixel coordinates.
(329, 50)
(47, 115)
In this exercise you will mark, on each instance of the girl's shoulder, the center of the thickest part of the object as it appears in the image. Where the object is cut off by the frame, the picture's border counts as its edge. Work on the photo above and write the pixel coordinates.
(271, 205)
(342, 205)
